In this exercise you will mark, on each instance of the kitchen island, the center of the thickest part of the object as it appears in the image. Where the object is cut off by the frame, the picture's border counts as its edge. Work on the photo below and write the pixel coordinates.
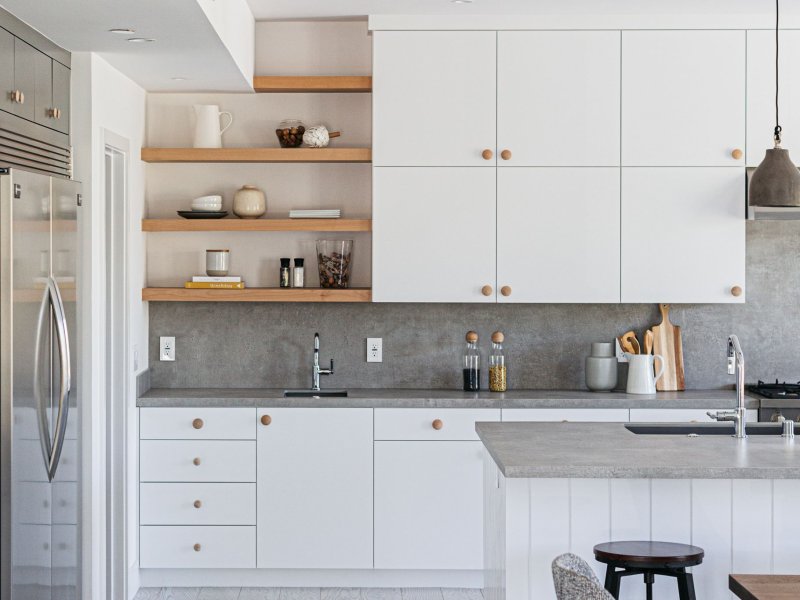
(551, 488)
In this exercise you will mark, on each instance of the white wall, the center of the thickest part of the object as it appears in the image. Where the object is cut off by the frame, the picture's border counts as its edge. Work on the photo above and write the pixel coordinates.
(106, 102)
(234, 24)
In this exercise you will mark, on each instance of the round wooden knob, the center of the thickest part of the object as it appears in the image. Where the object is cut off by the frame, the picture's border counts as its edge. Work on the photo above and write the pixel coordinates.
(737, 154)
(266, 419)
(505, 290)
(197, 504)
(487, 154)
(437, 424)
(197, 423)
(196, 461)
(58, 113)
(505, 154)
(736, 291)
(486, 290)
(21, 97)
(197, 547)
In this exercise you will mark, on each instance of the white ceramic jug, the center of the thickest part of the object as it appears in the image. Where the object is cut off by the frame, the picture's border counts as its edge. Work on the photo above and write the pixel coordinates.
(207, 130)
(640, 373)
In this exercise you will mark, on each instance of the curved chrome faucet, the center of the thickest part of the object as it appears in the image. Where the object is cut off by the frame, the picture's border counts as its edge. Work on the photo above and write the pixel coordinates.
(317, 371)
(735, 367)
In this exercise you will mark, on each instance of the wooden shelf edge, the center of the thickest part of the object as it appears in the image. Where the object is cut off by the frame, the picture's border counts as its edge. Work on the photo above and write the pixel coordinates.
(312, 84)
(322, 225)
(256, 155)
(165, 294)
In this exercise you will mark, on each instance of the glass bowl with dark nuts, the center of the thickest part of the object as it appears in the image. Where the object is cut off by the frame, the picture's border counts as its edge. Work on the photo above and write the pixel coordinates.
(290, 133)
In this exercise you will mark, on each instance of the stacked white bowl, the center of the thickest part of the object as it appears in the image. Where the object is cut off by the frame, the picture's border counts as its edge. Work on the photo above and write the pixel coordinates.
(207, 203)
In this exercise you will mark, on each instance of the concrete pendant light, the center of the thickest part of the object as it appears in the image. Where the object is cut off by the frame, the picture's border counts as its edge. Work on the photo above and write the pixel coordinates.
(776, 181)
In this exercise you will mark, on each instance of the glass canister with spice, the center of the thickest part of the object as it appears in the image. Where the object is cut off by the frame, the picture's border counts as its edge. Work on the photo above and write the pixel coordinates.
(471, 364)
(498, 370)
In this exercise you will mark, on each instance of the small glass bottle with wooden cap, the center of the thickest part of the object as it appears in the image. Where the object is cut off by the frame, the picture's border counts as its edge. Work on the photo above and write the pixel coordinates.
(471, 364)
(497, 364)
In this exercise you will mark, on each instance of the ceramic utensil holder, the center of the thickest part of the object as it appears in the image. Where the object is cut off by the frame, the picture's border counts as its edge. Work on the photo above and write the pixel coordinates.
(217, 262)
(601, 367)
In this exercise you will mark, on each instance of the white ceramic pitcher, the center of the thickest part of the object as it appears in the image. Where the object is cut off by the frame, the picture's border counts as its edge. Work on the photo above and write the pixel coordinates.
(640, 373)
(207, 129)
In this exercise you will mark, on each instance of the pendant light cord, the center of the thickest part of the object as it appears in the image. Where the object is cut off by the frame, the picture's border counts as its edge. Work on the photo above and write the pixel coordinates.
(778, 129)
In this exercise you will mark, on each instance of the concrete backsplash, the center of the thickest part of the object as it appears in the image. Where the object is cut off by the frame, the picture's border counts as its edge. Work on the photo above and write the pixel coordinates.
(270, 345)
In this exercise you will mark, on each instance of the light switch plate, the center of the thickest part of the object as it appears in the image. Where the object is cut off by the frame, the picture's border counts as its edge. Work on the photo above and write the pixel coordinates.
(166, 348)
(375, 350)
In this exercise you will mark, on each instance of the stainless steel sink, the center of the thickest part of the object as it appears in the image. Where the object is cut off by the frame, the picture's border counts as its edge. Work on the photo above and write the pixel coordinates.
(315, 394)
(702, 428)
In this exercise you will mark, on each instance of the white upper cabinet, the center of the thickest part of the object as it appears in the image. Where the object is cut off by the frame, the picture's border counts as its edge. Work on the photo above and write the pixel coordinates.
(558, 98)
(761, 93)
(433, 234)
(683, 101)
(434, 98)
(683, 235)
(558, 234)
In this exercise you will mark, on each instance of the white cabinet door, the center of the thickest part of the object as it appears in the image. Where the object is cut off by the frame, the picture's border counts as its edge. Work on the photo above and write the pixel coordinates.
(575, 415)
(433, 234)
(558, 95)
(315, 488)
(761, 93)
(434, 98)
(683, 234)
(428, 505)
(682, 97)
(558, 234)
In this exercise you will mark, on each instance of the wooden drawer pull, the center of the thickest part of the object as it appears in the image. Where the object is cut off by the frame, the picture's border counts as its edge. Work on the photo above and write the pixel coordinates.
(737, 154)
(505, 154)
(196, 461)
(197, 547)
(487, 290)
(505, 290)
(487, 154)
(736, 291)
(266, 419)
(197, 504)
(437, 424)
(197, 423)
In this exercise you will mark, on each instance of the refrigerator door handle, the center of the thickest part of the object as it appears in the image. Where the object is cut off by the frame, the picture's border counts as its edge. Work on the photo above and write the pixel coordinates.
(41, 410)
(65, 382)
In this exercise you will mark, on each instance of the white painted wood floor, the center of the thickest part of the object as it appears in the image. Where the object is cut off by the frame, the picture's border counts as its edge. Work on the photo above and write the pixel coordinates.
(308, 594)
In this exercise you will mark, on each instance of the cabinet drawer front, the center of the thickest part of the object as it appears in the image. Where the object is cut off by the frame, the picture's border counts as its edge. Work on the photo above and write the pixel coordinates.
(420, 423)
(218, 547)
(218, 461)
(197, 423)
(197, 504)
(589, 415)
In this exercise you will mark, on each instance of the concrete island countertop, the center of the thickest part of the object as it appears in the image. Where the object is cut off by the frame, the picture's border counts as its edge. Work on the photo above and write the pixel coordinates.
(609, 450)
(408, 398)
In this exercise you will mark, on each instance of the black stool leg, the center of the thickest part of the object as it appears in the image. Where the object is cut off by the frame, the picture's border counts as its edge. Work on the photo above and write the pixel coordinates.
(649, 578)
(612, 581)
(685, 586)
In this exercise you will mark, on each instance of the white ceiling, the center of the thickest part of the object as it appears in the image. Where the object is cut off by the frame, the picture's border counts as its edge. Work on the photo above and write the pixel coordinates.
(310, 9)
(186, 43)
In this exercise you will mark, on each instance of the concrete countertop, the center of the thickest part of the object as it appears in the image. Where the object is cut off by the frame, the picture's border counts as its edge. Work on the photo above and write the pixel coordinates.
(406, 398)
(609, 450)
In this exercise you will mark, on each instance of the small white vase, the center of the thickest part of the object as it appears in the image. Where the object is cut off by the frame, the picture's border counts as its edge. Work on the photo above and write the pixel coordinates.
(249, 202)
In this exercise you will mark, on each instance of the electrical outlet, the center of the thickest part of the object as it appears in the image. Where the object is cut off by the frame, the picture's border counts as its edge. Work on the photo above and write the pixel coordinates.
(166, 348)
(374, 349)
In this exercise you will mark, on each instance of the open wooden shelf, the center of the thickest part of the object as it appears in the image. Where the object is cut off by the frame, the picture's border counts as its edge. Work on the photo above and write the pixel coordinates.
(256, 155)
(256, 224)
(313, 84)
(257, 295)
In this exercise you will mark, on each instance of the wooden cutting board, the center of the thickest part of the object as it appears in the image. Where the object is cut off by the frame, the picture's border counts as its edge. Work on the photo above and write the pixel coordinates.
(667, 342)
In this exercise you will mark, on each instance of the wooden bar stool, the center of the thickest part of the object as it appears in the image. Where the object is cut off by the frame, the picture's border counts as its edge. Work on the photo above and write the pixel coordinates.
(649, 559)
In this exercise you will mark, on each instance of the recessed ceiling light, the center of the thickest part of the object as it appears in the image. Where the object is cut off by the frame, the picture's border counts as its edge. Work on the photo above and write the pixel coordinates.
(461, 1)
(122, 30)
(179, 78)
(140, 40)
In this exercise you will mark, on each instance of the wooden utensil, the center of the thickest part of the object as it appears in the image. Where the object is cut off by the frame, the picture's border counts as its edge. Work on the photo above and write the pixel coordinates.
(629, 343)
(667, 342)
(648, 341)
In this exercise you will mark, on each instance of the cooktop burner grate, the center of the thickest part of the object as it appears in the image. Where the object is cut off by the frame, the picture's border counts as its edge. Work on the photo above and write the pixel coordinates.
(776, 390)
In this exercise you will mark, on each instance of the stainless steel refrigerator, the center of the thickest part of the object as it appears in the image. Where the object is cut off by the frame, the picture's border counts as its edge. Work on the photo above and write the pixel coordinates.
(39, 412)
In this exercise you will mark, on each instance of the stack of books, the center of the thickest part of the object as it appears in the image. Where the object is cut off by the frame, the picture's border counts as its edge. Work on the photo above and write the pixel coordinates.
(201, 282)
(321, 213)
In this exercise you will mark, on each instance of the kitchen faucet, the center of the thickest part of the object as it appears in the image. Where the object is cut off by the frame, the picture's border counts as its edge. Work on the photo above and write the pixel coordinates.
(735, 367)
(317, 371)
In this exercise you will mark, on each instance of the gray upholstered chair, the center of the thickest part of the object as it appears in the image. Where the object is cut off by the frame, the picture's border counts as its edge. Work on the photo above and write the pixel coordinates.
(574, 579)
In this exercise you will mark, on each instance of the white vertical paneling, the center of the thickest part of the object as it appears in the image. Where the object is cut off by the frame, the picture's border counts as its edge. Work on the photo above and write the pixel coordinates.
(671, 521)
(590, 519)
(549, 533)
(518, 542)
(752, 526)
(786, 526)
(711, 530)
(630, 520)
(494, 530)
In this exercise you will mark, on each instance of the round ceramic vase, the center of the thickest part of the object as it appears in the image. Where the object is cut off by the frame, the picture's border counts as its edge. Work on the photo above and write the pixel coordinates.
(249, 202)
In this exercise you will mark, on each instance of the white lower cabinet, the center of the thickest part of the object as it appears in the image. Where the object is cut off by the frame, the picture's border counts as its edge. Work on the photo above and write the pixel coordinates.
(197, 504)
(207, 547)
(315, 488)
(428, 505)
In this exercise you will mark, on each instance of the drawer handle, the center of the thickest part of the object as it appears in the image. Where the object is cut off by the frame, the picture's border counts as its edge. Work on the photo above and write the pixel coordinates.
(197, 423)
(737, 154)
(505, 154)
(505, 290)
(486, 290)
(736, 291)
(197, 547)
(196, 461)
(437, 424)
(197, 504)
(266, 420)
(487, 154)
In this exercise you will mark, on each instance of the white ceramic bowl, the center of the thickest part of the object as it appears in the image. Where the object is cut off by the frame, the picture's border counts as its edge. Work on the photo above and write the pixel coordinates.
(207, 203)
